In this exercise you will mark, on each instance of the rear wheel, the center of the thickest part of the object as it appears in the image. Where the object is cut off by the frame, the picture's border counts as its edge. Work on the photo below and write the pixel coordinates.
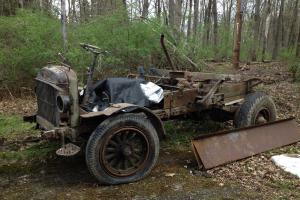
(258, 108)
(122, 149)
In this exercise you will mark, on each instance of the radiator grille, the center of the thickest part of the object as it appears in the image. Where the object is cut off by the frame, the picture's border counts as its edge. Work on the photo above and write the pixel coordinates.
(46, 100)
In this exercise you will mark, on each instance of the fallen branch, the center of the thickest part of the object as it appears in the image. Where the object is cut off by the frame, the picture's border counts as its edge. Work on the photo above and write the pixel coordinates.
(12, 97)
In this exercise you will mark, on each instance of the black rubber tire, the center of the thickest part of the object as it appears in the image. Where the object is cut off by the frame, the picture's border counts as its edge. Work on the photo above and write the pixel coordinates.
(106, 128)
(253, 104)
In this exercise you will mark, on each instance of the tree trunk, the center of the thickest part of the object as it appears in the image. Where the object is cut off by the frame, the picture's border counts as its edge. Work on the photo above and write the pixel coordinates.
(196, 16)
(145, 9)
(172, 13)
(165, 14)
(124, 4)
(190, 20)
(228, 31)
(178, 13)
(84, 10)
(267, 27)
(94, 6)
(74, 18)
(21, 2)
(215, 17)
(158, 9)
(207, 22)
(184, 17)
(41, 5)
(298, 46)
(277, 34)
(64, 24)
(292, 35)
(238, 34)
(255, 30)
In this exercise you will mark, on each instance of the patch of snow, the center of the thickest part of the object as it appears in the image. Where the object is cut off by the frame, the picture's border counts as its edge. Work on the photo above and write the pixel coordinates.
(288, 162)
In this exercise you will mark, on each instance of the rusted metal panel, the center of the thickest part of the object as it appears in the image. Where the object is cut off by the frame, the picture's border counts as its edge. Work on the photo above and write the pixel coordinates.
(224, 147)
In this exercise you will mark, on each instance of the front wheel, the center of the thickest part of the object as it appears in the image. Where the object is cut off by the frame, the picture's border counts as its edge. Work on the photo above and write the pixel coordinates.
(122, 149)
(258, 108)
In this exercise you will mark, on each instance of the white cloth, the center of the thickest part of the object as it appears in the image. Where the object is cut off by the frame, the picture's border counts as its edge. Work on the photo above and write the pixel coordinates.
(288, 162)
(153, 92)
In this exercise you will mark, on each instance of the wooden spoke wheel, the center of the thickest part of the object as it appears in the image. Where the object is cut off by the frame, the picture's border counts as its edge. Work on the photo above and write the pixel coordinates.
(122, 149)
(125, 151)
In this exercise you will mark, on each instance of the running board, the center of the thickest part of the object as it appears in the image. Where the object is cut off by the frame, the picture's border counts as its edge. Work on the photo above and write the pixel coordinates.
(220, 148)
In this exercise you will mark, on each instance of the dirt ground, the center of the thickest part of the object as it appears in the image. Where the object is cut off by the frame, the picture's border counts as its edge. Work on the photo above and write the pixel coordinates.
(176, 176)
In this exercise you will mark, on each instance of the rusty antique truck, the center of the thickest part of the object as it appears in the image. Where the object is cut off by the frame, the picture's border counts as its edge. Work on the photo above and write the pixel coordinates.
(121, 126)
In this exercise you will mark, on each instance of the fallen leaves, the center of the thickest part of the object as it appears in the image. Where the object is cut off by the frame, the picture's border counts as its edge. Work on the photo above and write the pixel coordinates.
(24, 106)
(169, 174)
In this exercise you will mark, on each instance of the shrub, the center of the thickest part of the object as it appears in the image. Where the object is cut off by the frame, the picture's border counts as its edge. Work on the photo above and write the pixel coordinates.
(295, 69)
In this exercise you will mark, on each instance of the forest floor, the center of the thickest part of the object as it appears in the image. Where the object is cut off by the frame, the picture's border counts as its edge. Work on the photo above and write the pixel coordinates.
(31, 170)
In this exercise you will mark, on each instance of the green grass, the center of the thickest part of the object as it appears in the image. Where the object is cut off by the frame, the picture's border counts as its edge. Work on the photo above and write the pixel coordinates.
(14, 154)
(180, 133)
(35, 151)
(12, 128)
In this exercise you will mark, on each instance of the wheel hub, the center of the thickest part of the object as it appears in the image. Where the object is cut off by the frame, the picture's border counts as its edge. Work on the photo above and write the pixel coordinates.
(124, 152)
(262, 117)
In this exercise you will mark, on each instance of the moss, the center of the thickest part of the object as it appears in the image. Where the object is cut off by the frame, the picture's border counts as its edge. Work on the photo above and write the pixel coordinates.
(12, 127)
(28, 159)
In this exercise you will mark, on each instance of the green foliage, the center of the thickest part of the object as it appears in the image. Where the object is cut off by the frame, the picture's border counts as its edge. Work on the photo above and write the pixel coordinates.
(287, 54)
(129, 44)
(37, 151)
(29, 40)
(180, 133)
(295, 69)
(13, 127)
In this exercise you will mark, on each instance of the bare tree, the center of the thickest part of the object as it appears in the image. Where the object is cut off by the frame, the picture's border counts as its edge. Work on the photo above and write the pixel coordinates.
(178, 13)
(298, 46)
(73, 11)
(190, 19)
(158, 8)
(196, 16)
(183, 18)
(227, 20)
(41, 5)
(255, 30)
(145, 9)
(278, 28)
(207, 22)
(215, 17)
(238, 34)
(292, 36)
(267, 27)
(171, 13)
(64, 24)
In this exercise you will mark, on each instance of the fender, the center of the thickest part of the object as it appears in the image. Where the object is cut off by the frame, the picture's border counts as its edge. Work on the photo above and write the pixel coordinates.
(119, 108)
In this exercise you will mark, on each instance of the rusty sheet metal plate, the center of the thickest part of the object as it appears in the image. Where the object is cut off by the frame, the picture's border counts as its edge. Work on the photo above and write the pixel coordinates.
(224, 147)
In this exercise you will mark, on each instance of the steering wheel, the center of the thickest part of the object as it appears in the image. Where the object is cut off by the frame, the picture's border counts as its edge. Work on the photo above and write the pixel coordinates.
(92, 48)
